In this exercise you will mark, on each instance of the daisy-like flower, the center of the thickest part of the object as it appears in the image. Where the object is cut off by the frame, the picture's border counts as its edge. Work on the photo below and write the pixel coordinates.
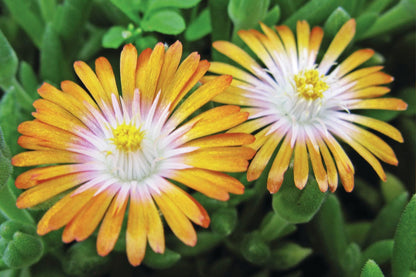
(304, 105)
(106, 155)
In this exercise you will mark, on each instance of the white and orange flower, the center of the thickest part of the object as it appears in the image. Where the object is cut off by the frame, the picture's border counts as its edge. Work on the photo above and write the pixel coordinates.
(106, 154)
(304, 105)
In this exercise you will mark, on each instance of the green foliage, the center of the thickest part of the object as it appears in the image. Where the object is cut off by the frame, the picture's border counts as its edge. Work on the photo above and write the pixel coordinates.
(371, 269)
(224, 221)
(200, 27)
(161, 261)
(297, 206)
(288, 255)
(168, 22)
(404, 250)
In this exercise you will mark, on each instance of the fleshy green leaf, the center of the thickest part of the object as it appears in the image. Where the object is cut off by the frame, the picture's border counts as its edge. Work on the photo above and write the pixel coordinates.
(70, 18)
(288, 255)
(167, 22)
(380, 251)
(8, 61)
(47, 8)
(161, 261)
(51, 60)
(335, 21)
(364, 22)
(273, 226)
(350, 260)
(206, 241)
(386, 221)
(28, 79)
(371, 269)
(329, 230)
(129, 7)
(180, 4)
(224, 221)
(272, 16)
(297, 206)
(25, 13)
(399, 16)
(378, 6)
(392, 188)
(146, 42)
(237, 11)
(404, 250)
(254, 249)
(358, 231)
(8, 204)
(200, 27)
(83, 260)
(114, 37)
(409, 96)
(313, 11)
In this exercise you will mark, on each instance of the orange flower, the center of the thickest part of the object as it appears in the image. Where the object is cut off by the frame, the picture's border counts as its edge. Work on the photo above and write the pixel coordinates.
(105, 151)
(302, 105)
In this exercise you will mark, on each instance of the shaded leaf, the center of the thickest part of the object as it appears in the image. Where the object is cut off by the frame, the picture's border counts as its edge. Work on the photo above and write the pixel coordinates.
(200, 27)
(371, 269)
(380, 251)
(114, 37)
(335, 21)
(288, 255)
(167, 22)
(161, 261)
(180, 4)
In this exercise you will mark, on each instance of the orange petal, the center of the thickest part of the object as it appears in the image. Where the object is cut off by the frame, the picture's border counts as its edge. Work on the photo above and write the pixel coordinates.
(200, 97)
(229, 159)
(224, 68)
(300, 164)
(91, 82)
(337, 46)
(152, 72)
(355, 59)
(317, 166)
(392, 104)
(237, 54)
(303, 35)
(228, 139)
(170, 65)
(259, 162)
(370, 92)
(314, 44)
(111, 225)
(279, 166)
(63, 211)
(50, 188)
(40, 157)
(77, 92)
(87, 220)
(330, 166)
(187, 204)
(128, 62)
(176, 219)
(136, 229)
(106, 76)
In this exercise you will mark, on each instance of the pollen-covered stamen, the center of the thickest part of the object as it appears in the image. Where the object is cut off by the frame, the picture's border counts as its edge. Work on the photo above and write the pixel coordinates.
(310, 85)
(127, 138)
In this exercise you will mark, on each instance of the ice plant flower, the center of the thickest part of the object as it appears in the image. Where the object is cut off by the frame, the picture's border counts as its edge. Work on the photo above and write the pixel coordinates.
(105, 155)
(306, 106)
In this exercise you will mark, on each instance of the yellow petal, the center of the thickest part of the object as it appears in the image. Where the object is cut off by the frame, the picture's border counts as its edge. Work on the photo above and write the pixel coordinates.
(128, 63)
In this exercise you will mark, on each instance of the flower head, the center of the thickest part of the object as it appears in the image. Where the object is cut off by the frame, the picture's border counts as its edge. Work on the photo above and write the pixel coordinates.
(105, 155)
(303, 105)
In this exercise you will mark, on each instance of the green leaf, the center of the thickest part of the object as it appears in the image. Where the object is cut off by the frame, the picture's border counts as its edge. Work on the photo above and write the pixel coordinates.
(404, 250)
(6, 168)
(313, 11)
(272, 16)
(380, 251)
(206, 241)
(288, 255)
(358, 231)
(92, 45)
(409, 96)
(70, 18)
(385, 223)
(146, 42)
(224, 221)
(237, 11)
(364, 22)
(180, 4)
(28, 79)
(329, 230)
(167, 22)
(273, 226)
(391, 188)
(9, 119)
(8, 205)
(351, 259)
(295, 205)
(47, 8)
(24, 250)
(254, 249)
(129, 7)
(335, 21)
(400, 16)
(161, 261)
(8, 61)
(200, 27)
(371, 269)
(378, 6)
(51, 57)
(114, 37)
(25, 13)
(82, 259)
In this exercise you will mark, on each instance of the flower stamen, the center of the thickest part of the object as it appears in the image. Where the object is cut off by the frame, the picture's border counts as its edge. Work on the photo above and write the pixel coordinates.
(310, 85)
(127, 138)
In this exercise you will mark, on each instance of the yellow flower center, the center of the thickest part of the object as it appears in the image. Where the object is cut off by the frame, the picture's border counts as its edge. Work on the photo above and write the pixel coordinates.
(127, 138)
(310, 85)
